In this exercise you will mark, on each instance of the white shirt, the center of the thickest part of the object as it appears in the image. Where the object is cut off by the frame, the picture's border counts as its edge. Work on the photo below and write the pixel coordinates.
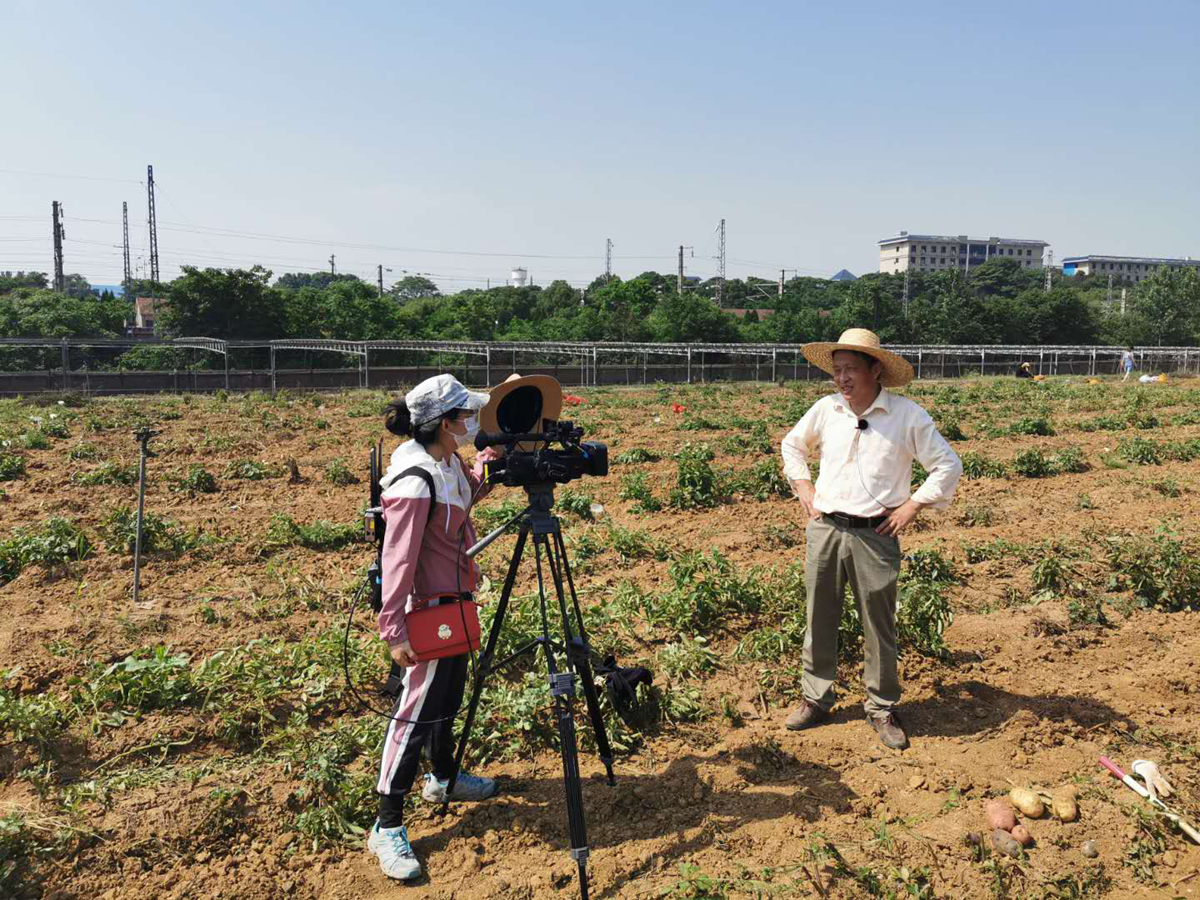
(868, 472)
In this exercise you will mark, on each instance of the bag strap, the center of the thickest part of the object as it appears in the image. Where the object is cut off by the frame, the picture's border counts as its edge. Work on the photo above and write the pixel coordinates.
(424, 475)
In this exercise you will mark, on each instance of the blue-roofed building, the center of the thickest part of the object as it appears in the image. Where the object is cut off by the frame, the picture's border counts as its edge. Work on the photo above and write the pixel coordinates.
(844, 275)
(1124, 268)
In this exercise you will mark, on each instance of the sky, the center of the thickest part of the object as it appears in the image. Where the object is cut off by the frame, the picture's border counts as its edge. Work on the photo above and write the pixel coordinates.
(459, 140)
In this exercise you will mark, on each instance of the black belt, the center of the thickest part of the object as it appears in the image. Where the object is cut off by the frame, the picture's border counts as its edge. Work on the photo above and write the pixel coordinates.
(855, 521)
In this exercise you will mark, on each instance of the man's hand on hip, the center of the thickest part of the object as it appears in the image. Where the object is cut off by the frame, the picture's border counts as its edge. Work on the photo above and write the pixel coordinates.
(806, 494)
(900, 518)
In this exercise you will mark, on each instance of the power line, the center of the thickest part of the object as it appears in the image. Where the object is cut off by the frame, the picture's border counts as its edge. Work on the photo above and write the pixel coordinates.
(57, 175)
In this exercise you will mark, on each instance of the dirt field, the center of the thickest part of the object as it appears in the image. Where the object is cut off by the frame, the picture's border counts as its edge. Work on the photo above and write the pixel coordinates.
(201, 743)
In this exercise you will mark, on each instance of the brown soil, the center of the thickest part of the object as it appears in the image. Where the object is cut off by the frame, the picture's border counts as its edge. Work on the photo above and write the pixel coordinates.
(1027, 699)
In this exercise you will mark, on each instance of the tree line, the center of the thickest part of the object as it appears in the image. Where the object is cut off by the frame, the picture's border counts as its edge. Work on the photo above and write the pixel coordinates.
(998, 302)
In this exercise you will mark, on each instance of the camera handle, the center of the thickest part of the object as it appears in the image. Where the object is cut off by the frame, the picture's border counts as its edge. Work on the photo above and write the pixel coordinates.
(548, 541)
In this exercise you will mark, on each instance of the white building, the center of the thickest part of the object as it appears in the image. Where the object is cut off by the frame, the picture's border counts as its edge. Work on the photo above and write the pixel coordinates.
(1124, 268)
(934, 252)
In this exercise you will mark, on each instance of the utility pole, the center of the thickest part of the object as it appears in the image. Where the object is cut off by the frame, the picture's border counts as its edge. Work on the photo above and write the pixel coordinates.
(1122, 301)
(781, 271)
(1049, 266)
(906, 293)
(607, 260)
(60, 281)
(679, 277)
(381, 279)
(721, 263)
(332, 267)
(153, 225)
(125, 229)
(1110, 290)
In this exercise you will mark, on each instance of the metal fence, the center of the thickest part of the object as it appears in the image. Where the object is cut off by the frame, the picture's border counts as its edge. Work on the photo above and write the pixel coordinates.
(94, 366)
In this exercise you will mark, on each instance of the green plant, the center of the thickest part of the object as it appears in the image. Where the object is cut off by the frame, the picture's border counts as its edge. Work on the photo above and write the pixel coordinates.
(197, 480)
(1162, 572)
(576, 503)
(696, 484)
(977, 465)
(929, 565)
(58, 541)
(1140, 450)
(688, 657)
(635, 487)
(35, 439)
(1168, 487)
(492, 515)
(1085, 501)
(339, 474)
(12, 466)
(252, 470)
(107, 473)
(977, 516)
(1067, 460)
(762, 480)
(695, 884)
(38, 719)
(630, 543)
(1033, 463)
(284, 531)
(84, 450)
(923, 614)
(159, 534)
(634, 456)
(1032, 425)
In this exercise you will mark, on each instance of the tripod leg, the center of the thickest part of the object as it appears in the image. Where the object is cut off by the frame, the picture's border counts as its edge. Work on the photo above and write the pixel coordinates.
(562, 688)
(485, 661)
(578, 652)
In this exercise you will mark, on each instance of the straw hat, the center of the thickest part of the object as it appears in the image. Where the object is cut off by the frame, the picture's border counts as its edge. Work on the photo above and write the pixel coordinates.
(896, 370)
(520, 404)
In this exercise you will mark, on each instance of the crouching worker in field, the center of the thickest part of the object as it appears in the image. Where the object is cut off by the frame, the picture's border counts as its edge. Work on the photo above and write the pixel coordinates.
(427, 514)
(867, 439)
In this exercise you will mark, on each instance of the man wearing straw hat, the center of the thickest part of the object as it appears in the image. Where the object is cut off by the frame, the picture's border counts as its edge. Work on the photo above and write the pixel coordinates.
(867, 439)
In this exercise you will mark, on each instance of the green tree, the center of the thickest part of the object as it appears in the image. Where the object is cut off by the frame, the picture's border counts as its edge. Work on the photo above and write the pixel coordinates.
(1164, 310)
(689, 317)
(412, 287)
(293, 281)
(39, 313)
(223, 303)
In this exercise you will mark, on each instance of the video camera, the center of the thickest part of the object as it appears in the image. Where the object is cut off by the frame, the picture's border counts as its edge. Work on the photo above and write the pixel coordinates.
(522, 418)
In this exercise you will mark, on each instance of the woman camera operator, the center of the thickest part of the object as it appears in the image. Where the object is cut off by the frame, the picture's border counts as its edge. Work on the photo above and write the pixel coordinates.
(423, 563)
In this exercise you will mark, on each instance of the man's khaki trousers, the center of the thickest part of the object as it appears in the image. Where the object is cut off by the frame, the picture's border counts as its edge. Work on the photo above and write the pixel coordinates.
(870, 564)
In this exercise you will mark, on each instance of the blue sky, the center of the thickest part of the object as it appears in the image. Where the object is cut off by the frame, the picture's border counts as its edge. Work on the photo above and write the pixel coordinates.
(527, 134)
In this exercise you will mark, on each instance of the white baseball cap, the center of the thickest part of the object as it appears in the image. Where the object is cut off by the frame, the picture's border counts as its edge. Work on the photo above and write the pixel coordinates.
(436, 396)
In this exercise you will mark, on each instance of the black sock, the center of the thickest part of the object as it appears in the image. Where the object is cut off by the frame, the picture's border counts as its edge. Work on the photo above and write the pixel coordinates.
(391, 810)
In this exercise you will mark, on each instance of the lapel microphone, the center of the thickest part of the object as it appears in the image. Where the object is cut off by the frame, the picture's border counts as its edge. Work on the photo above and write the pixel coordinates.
(862, 424)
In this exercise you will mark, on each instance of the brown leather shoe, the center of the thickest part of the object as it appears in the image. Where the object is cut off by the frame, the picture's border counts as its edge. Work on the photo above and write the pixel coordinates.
(891, 732)
(806, 715)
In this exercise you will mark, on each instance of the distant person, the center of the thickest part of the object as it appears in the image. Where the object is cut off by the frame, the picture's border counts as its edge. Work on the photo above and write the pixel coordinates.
(1127, 362)
(1024, 371)
(867, 439)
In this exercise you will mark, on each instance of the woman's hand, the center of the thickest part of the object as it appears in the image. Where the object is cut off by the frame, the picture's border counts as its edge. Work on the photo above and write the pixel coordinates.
(403, 655)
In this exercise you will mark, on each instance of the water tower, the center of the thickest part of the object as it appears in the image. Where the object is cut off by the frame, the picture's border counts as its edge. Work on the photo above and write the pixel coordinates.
(519, 277)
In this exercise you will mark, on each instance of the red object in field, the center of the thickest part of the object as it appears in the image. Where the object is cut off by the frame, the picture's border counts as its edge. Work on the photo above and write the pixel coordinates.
(572, 400)
(1113, 768)
(677, 407)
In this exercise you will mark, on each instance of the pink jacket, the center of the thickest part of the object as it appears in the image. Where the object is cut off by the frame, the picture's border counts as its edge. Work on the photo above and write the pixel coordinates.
(421, 554)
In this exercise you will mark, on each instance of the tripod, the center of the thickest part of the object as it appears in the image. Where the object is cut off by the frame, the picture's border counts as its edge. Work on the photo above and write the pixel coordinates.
(538, 520)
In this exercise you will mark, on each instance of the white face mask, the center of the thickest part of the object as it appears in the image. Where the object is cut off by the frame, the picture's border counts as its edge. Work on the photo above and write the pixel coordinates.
(472, 426)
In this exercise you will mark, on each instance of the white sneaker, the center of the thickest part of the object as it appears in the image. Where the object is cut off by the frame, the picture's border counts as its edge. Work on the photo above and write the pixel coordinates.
(395, 853)
(466, 787)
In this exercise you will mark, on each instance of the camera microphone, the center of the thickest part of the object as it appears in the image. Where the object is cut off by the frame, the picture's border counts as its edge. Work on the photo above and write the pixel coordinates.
(862, 424)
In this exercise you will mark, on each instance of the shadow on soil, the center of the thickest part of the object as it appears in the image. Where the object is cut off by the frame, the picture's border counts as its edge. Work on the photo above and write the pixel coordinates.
(649, 807)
